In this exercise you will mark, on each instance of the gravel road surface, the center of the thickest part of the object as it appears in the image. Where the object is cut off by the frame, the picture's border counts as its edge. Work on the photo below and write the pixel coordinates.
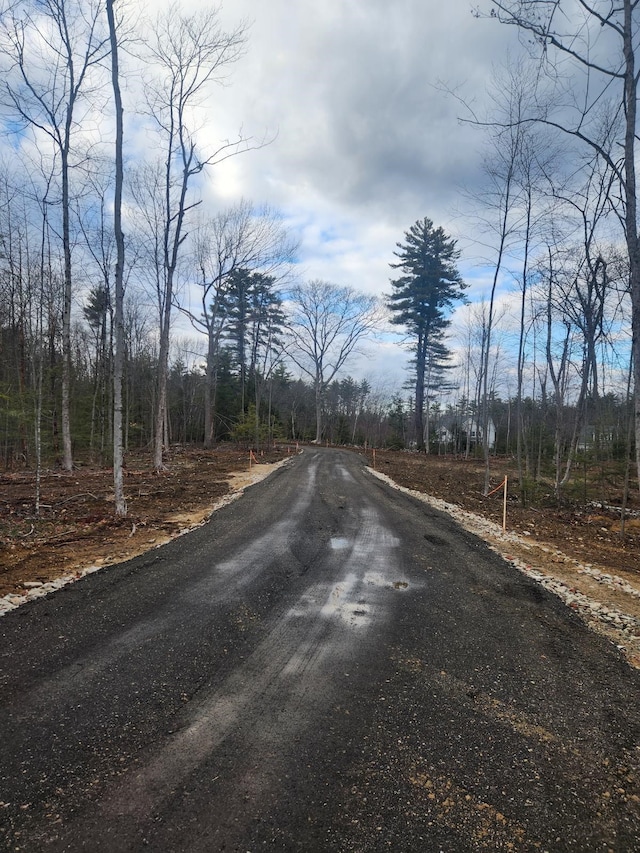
(327, 665)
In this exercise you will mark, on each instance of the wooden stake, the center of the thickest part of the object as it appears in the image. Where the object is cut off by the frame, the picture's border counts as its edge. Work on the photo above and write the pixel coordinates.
(504, 506)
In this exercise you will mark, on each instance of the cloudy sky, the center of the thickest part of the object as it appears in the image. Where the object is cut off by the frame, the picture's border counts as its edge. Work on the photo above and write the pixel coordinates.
(365, 140)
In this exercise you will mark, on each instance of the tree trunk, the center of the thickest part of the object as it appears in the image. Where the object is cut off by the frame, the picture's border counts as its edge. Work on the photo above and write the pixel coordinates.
(520, 380)
(118, 367)
(161, 402)
(419, 396)
(65, 414)
(210, 393)
(486, 354)
(318, 397)
(631, 217)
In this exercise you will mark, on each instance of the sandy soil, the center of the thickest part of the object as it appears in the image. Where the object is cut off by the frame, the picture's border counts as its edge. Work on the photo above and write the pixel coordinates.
(576, 551)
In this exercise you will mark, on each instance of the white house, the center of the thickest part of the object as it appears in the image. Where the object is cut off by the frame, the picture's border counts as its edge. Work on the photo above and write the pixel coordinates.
(450, 425)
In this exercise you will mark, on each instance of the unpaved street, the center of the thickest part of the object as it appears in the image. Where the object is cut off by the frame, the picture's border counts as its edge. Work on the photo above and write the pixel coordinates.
(327, 665)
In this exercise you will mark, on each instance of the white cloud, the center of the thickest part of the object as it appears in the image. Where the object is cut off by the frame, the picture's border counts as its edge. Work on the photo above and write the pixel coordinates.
(366, 141)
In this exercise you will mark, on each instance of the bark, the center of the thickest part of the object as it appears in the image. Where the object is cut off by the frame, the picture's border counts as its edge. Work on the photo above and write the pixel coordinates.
(487, 342)
(65, 413)
(210, 390)
(118, 369)
(172, 241)
(557, 379)
(318, 399)
(419, 397)
(521, 342)
(631, 218)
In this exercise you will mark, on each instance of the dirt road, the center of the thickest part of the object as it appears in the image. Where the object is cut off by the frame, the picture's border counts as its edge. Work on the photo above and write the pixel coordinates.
(327, 665)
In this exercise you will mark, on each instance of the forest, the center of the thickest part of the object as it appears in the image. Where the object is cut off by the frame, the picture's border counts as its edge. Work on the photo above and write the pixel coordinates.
(134, 314)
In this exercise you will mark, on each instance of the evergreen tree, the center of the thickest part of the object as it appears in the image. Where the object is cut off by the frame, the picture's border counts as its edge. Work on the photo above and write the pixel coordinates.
(98, 314)
(396, 421)
(429, 285)
(255, 322)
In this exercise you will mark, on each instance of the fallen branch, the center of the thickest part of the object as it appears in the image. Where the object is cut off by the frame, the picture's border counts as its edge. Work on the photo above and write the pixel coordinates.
(81, 495)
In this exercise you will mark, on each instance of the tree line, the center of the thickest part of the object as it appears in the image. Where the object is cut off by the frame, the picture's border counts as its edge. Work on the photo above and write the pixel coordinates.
(102, 259)
(87, 313)
(562, 215)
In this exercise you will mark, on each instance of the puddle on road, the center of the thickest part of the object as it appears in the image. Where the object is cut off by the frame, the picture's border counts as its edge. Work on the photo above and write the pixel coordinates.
(339, 543)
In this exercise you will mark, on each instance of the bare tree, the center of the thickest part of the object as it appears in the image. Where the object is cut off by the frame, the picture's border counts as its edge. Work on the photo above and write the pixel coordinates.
(326, 324)
(558, 361)
(118, 484)
(508, 197)
(50, 51)
(580, 296)
(597, 107)
(189, 53)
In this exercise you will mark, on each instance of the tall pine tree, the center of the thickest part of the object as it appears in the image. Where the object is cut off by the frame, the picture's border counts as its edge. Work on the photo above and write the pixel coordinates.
(421, 299)
(255, 323)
